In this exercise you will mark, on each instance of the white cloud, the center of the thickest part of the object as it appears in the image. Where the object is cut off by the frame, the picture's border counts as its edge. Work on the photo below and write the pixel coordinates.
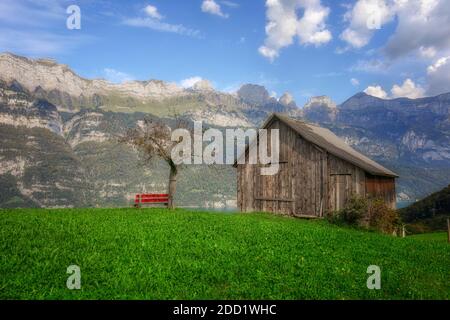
(438, 77)
(230, 4)
(269, 53)
(408, 89)
(153, 21)
(311, 27)
(376, 91)
(283, 25)
(354, 82)
(210, 6)
(115, 76)
(190, 82)
(152, 12)
(423, 26)
(162, 26)
(434, 68)
(427, 52)
(364, 18)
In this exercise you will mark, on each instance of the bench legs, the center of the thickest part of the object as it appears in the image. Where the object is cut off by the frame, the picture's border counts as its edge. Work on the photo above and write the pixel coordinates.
(138, 205)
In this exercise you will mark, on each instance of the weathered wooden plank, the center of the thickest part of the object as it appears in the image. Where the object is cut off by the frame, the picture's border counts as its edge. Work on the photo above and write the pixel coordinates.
(275, 199)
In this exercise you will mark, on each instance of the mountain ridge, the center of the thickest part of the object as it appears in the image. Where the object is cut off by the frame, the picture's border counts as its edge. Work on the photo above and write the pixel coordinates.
(388, 131)
(429, 214)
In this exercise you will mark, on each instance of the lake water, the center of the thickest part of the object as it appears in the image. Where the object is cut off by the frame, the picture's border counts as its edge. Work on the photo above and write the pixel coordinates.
(404, 204)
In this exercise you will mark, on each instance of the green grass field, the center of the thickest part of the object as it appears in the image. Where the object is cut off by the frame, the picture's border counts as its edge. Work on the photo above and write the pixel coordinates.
(158, 254)
(433, 236)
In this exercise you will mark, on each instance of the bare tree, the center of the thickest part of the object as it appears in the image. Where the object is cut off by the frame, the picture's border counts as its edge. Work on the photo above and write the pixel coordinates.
(153, 138)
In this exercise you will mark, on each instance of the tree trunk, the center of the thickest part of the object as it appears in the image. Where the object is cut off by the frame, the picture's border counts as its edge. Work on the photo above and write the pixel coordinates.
(172, 186)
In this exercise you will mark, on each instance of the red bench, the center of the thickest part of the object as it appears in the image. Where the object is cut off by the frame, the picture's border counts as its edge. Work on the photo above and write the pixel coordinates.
(141, 199)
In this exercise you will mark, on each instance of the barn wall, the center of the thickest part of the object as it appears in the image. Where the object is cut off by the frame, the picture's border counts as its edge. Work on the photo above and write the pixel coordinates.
(270, 193)
(275, 193)
(381, 187)
(311, 182)
(310, 167)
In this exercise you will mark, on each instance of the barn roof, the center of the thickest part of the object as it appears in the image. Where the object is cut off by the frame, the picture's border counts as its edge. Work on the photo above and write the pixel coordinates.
(328, 141)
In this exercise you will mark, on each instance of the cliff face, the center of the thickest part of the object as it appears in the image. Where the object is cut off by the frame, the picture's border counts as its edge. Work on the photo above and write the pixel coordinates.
(35, 160)
(419, 128)
(320, 109)
(18, 108)
(258, 96)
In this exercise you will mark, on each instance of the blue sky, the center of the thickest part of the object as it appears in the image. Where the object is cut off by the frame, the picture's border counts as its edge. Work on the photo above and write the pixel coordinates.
(306, 47)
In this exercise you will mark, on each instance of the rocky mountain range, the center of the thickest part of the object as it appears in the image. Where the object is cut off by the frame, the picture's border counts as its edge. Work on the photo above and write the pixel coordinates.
(47, 80)
(59, 132)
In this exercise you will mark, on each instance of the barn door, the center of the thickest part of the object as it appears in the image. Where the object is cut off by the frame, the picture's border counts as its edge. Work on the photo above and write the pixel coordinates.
(341, 185)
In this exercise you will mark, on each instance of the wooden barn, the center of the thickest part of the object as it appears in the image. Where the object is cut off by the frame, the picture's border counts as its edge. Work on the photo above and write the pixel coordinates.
(318, 173)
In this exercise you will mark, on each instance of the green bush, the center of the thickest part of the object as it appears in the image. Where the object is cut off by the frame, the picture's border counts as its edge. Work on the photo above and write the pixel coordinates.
(367, 213)
(382, 218)
(353, 212)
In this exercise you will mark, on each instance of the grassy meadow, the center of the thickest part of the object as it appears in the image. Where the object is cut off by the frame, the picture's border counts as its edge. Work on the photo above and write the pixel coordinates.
(432, 236)
(181, 254)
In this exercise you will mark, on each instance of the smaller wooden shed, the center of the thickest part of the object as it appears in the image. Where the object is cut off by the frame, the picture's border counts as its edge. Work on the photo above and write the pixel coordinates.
(318, 173)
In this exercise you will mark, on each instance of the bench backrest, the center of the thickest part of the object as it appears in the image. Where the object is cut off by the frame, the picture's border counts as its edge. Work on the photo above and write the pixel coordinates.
(152, 198)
